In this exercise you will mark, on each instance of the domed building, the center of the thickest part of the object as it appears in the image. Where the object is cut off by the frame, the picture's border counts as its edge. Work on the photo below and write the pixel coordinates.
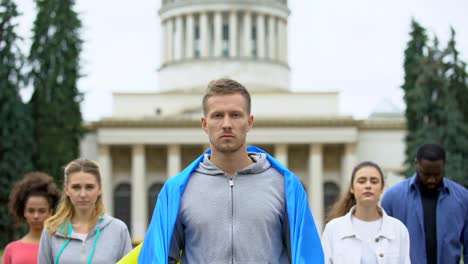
(153, 136)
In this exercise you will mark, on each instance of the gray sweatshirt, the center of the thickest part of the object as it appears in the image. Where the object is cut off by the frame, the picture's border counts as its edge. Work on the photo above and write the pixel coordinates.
(237, 218)
(112, 244)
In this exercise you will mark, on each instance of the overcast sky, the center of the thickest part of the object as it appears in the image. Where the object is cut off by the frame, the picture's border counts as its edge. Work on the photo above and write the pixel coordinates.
(355, 47)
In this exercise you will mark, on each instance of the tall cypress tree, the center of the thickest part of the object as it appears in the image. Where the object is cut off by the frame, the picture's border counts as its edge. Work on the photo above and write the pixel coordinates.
(15, 121)
(455, 138)
(437, 112)
(415, 50)
(54, 59)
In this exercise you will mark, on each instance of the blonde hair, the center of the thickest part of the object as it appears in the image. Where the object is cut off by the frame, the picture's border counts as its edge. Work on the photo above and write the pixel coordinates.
(347, 199)
(65, 210)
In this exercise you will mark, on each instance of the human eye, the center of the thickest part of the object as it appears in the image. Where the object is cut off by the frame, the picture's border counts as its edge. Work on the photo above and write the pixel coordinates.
(89, 186)
(216, 115)
(76, 187)
(236, 115)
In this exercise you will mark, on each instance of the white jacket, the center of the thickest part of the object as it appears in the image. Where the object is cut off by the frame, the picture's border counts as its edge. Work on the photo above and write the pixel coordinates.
(341, 244)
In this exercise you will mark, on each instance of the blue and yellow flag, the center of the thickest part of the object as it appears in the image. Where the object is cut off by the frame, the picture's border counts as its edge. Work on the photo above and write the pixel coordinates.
(305, 241)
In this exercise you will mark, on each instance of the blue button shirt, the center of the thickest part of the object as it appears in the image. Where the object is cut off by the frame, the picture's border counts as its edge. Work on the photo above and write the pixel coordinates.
(403, 201)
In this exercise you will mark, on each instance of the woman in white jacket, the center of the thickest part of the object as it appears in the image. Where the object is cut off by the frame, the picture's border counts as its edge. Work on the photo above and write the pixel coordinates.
(358, 229)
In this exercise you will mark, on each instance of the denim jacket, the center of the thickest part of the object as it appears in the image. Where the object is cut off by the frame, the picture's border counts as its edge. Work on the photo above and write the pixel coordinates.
(403, 201)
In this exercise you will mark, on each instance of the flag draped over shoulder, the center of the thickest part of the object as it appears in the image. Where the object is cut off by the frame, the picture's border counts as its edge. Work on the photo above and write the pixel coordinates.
(305, 241)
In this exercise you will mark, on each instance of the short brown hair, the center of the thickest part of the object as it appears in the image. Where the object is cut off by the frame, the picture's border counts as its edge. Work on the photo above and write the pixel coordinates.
(225, 87)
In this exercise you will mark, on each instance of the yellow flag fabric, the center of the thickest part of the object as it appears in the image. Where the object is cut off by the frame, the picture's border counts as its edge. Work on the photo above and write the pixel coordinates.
(132, 256)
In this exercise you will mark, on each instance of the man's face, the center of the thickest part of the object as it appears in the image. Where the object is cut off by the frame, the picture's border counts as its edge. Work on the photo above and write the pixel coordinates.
(227, 122)
(430, 173)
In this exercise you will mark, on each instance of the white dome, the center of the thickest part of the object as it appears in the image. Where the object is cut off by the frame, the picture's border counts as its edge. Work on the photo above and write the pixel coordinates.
(207, 39)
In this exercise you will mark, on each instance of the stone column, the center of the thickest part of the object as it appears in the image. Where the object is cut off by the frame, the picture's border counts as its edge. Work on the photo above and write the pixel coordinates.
(189, 37)
(281, 39)
(315, 184)
(178, 38)
(233, 34)
(139, 191)
(105, 165)
(164, 42)
(204, 37)
(281, 153)
(348, 161)
(218, 33)
(174, 160)
(169, 40)
(247, 38)
(261, 36)
(272, 38)
(285, 42)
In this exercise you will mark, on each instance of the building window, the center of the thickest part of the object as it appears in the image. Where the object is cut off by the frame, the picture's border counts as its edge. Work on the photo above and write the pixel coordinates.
(211, 34)
(153, 193)
(122, 201)
(196, 34)
(331, 192)
(254, 39)
(225, 43)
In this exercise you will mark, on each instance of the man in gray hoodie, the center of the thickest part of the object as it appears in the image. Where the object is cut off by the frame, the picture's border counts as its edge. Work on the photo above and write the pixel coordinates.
(233, 209)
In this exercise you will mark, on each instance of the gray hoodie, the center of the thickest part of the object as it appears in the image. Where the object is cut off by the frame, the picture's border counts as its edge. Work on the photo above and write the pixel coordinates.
(238, 218)
(112, 244)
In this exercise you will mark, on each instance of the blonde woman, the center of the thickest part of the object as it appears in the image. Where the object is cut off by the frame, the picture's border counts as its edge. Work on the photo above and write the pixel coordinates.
(80, 231)
(31, 201)
(358, 230)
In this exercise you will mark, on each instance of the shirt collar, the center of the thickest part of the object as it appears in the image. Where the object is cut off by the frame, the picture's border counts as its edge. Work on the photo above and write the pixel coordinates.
(385, 231)
(415, 186)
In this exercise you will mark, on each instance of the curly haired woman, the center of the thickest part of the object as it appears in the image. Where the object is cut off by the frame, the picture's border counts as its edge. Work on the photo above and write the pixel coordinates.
(31, 201)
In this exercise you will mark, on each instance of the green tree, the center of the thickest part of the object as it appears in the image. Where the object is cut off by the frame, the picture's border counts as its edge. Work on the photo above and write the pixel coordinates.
(15, 129)
(54, 59)
(455, 138)
(415, 50)
(439, 91)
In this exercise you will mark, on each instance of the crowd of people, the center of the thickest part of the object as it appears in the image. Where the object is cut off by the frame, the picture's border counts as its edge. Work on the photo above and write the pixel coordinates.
(238, 204)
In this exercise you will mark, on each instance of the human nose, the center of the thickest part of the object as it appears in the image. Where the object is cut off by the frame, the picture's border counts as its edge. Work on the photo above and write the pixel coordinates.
(226, 122)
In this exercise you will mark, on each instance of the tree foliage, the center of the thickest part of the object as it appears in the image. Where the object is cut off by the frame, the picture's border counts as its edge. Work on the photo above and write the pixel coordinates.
(54, 61)
(436, 87)
(15, 121)
(412, 68)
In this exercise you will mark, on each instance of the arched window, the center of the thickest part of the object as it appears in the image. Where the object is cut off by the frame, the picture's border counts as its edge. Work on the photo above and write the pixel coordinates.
(331, 192)
(153, 193)
(122, 202)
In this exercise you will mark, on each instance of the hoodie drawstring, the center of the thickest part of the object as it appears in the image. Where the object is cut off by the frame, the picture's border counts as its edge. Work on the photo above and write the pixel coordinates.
(70, 231)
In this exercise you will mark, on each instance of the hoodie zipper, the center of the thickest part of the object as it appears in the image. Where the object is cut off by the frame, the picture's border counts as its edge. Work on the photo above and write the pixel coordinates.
(231, 187)
(83, 252)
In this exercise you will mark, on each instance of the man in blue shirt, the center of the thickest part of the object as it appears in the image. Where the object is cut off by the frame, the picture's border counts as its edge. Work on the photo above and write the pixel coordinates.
(433, 208)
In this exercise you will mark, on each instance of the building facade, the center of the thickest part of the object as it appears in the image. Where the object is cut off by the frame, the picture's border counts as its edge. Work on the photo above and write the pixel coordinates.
(153, 136)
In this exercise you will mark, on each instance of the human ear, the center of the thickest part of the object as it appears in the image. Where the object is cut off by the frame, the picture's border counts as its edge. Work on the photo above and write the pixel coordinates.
(203, 124)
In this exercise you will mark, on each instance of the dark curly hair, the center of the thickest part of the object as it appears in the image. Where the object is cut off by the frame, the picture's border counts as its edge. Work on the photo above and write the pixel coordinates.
(33, 184)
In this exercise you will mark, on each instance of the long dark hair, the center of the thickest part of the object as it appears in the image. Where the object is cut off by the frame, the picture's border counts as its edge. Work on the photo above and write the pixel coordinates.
(347, 200)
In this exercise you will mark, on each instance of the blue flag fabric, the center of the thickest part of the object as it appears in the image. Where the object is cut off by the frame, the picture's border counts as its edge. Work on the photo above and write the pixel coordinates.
(305, 241)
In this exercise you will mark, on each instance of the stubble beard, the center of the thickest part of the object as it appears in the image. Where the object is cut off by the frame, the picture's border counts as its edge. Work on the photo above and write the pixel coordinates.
(226, 148)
